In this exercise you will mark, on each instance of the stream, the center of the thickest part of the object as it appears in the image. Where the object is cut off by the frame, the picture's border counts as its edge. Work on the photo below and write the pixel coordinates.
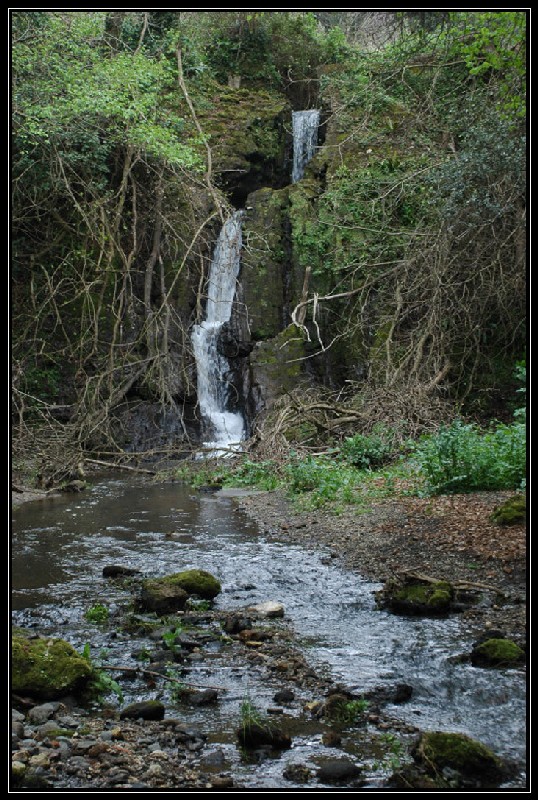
(60, 546)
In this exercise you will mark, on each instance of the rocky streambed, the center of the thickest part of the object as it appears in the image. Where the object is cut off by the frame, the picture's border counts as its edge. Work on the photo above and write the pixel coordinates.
(347, 687)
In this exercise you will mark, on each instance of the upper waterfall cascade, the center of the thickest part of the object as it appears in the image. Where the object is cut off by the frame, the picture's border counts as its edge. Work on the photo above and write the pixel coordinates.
(212, 368)
(305, 140)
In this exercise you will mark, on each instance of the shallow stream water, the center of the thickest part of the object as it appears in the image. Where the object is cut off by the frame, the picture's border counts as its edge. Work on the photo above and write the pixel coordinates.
(61, 545)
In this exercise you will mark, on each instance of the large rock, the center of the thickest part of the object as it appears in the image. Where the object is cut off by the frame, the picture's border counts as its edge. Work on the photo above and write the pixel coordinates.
(497, 653)
(338, 771)
(47, 668)
(253, 735)
(410, 595)
(170, 593)
(443, 754)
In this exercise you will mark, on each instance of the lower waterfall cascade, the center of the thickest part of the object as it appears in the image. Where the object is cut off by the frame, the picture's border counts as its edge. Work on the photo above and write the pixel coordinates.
(227, 428)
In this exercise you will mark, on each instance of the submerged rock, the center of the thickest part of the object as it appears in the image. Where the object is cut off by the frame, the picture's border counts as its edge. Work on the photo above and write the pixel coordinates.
(47, 668)
(145, 709)
(118, 571)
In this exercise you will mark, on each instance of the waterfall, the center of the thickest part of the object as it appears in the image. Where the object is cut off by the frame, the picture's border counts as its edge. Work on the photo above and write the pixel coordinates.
(228, 428)
(305, 139)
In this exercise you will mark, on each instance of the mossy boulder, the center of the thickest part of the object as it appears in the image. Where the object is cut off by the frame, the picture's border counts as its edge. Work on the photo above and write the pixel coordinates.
(416, 597)
(170, 593)
(512, 512)
(443, 754)
(47, 668)
(198, 582)
(497, 653)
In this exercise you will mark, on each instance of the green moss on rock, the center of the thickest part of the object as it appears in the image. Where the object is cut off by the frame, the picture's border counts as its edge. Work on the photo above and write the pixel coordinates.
(47, 668)
(497, 653)
(170, 593)
(199, 582)
(417, 597)
(471, 759)
(277, 363)
(512, 512)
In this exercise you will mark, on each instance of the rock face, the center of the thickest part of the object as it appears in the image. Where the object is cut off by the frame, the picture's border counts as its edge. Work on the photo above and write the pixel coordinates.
(47, 668)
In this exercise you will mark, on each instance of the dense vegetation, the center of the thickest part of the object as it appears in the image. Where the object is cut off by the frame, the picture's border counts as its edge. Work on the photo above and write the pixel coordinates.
(409, 230)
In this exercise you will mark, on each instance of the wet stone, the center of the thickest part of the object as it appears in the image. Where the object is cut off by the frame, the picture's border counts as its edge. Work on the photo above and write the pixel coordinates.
(146, 709)
(298, 773)
(42, 712)
(338, 771)
(284, 696)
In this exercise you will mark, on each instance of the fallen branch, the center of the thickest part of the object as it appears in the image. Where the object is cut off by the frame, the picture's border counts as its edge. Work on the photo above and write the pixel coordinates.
(112, 465)
(419, 576)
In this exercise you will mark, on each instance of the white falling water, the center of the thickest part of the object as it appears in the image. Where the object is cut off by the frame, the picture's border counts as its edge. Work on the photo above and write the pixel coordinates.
(305, 139)
(228, 428)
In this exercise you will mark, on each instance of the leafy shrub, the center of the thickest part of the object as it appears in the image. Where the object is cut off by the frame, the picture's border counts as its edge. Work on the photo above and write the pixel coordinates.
(461, 458)
(254, 473)
(365, 451)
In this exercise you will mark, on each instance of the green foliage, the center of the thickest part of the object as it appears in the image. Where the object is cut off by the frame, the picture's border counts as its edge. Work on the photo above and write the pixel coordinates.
(77, 97)
(462, 458)
(494, 42)
(102, 684)
(394, 752)
(323, 480)
(489, 152)
(170, 637)
(348, 712)
(261, 474)
(97, 613)
(369, 450)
